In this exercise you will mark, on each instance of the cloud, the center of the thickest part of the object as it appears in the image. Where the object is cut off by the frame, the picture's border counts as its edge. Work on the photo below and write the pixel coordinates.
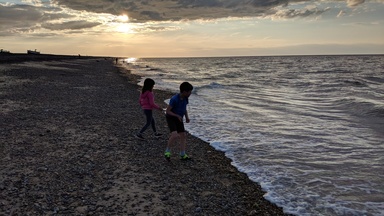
(30, 19)
(292, 13)
(175, 10)
(18, 17)
(15, 13)
(59, 15)
(71, 25)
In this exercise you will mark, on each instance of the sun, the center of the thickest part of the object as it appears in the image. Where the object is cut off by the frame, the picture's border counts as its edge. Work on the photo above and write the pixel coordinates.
(123, 18)
(122, 25)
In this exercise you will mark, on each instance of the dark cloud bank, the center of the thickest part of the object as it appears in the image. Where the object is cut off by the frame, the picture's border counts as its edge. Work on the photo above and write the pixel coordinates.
(175, 10)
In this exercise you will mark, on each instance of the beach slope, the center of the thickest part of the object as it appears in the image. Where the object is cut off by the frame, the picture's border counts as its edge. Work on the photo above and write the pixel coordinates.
(67, 148)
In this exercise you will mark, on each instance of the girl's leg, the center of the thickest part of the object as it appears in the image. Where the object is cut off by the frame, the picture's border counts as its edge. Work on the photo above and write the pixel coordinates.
(148, 114)
(153, 124)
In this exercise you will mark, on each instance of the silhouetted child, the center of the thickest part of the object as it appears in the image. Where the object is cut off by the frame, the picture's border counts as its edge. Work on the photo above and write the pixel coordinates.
(175, 112)
(147, 103)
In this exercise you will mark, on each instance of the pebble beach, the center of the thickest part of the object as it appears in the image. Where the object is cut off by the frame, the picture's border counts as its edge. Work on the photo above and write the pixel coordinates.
(67, 147)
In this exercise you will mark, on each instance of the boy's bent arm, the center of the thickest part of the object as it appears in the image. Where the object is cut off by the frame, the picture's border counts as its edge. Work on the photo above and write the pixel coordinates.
(170, 113)
(186, 116)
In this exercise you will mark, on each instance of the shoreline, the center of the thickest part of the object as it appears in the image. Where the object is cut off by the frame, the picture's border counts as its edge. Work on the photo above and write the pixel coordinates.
(69, 149)
(7, 58)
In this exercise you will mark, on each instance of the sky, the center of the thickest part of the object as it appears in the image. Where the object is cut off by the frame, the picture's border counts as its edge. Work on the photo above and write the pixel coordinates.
(192, 28)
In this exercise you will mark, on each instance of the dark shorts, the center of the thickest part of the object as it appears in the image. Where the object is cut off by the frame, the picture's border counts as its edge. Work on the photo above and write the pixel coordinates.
(174, 124)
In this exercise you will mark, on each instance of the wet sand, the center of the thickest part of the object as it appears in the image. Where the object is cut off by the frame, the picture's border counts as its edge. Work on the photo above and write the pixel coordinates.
(67, 148)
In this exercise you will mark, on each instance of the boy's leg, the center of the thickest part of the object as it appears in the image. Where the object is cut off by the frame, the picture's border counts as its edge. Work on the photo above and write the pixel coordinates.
(172, 139)
(183, 141)
(183, 145)
(171, 121)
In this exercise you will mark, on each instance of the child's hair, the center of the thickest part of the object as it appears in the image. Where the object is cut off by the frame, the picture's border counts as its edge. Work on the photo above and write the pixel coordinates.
(186, 86)
(148, 85)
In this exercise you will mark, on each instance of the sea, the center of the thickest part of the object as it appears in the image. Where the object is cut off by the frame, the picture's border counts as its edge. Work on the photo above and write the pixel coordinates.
(308, 129)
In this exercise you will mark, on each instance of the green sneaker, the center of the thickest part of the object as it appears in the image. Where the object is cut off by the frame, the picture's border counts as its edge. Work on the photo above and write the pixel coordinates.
(167, 155)
(184, 157)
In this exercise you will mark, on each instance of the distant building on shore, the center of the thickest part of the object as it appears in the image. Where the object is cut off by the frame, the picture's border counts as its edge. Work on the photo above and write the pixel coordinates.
(33, 52)
(4, 51)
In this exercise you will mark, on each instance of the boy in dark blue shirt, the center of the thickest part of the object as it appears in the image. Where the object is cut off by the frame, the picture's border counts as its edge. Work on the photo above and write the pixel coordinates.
(175, 112)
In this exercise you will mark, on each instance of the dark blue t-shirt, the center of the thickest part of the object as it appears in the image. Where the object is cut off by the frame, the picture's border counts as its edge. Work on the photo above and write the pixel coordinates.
(178, 106)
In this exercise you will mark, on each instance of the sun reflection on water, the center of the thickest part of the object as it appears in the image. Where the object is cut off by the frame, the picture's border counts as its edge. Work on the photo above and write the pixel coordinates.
(130, 60)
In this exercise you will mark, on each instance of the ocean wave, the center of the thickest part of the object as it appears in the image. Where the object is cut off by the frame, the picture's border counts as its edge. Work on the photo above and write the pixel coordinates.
(374, 79)
(376, 111)
(361, 107)
(212, 85)
(355, 83)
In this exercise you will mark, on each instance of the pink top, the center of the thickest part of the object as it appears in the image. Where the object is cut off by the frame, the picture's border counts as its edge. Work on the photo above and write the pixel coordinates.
(147, 101)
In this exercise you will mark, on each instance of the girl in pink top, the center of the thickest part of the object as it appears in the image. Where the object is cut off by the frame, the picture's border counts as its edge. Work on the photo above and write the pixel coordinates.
(147, 103)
